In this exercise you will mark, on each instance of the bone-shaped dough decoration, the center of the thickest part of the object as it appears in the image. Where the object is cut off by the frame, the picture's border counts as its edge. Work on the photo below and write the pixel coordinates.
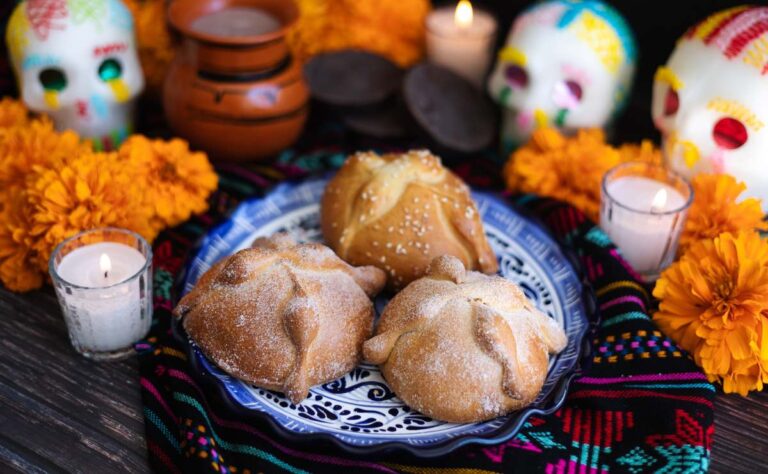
(281, 315)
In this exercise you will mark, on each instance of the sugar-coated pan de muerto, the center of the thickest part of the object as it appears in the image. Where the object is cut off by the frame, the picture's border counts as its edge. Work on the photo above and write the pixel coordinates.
(283, 316)
(463, 347)
(398, 212)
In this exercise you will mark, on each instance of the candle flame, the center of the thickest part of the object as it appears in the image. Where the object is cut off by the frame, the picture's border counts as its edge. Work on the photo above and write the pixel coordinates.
(105, 264)
(463, 15)
(659, 200)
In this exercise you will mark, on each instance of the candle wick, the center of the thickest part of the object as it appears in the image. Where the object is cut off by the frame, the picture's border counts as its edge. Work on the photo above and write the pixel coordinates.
(659, 201)
(106, 274)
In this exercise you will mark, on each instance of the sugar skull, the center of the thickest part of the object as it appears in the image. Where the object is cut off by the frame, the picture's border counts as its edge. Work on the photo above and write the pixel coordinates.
(76, 61)
(566, 63)
(710, 101)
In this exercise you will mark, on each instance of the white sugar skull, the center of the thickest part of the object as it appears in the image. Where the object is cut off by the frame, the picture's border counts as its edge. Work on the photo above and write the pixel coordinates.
(566, 63)
(76, 61)
(710, 101)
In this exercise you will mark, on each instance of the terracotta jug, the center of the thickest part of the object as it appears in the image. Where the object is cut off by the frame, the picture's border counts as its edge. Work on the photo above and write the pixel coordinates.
(239, 98)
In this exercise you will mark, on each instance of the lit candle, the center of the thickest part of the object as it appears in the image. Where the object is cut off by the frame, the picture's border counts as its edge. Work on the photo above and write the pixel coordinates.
(461, 39)
(643, 209)
(103, 282)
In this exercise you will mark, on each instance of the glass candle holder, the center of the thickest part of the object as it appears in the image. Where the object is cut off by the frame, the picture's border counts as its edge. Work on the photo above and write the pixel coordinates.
(643, 208)
(103, 280)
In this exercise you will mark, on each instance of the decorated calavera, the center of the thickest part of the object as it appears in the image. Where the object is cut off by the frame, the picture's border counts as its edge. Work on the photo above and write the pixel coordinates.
(566, 63)
(76, 61)
(710, 101)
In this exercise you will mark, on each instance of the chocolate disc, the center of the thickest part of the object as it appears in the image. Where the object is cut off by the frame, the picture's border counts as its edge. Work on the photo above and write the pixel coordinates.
(352, 78)
(451, 111)
(387, 121)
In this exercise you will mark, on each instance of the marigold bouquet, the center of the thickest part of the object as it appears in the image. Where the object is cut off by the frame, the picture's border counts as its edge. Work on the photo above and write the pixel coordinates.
(714, 300)
(570, 168)
(54, 185)
(714, 303)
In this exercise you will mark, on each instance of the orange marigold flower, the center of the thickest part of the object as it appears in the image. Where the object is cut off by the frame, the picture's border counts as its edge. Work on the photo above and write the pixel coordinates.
(20, 268)
(53, 185)
(177, 182)
(23, 148)
(91, 190)
(716, 208)
(13, 113)
(646, 152)
(36, 144)
(714, 303)
(392, 28)
(566, 168)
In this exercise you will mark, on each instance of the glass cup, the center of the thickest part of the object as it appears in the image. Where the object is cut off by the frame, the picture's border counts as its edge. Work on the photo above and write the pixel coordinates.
(643, 208)
(103, 280)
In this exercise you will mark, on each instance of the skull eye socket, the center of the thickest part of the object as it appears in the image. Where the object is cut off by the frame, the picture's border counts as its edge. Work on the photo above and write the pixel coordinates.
(567, 94)
(53, 79)
(110, 69)
(516, 75)
(574, 89)
(671, 102)
(729, 133)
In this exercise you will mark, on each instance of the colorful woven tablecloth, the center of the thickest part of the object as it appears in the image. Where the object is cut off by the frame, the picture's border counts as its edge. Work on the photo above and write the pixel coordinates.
(641, 404)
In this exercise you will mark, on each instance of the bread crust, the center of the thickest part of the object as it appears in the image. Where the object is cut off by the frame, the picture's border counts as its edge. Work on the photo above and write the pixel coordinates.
(463, 347)
(399, 211)
(282, 316)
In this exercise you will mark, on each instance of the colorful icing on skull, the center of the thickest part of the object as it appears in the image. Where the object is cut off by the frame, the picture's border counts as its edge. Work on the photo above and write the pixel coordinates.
(566, 63)
(76, 61)
(710, 101)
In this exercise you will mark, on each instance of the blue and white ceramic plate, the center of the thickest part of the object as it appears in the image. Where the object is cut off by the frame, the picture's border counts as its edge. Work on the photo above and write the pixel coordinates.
(359, 412)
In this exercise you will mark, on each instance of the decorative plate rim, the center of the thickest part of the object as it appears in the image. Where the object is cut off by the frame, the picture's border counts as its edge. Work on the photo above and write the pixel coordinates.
(499, 435)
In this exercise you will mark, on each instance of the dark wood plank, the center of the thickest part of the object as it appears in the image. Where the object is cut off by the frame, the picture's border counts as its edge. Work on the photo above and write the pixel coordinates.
(61, 412)
(741, 434)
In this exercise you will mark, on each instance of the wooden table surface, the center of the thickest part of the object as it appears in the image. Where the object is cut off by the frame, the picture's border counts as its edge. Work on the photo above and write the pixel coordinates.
(61, 412)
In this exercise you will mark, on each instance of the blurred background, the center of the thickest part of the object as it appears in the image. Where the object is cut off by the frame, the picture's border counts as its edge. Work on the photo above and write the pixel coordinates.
(656, 26)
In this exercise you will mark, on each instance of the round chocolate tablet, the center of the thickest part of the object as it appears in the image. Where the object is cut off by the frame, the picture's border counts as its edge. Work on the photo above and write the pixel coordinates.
(387, 121)
(352, 78)
(451, 110)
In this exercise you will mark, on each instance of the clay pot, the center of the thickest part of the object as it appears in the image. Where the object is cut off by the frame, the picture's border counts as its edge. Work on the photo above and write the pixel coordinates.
(239, 98)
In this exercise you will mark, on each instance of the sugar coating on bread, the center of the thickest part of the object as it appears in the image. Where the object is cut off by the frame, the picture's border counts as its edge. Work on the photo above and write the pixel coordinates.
(283, 316)
(399, 211)
(460, 346)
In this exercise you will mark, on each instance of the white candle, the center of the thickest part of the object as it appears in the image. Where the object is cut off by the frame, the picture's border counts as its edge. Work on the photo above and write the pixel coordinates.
(461, 39)
(101, 264)
(104, 289)
(643, 220)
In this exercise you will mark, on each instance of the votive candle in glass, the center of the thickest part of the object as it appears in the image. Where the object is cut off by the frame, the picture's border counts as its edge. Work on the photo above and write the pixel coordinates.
(103, 280)
(461, 39)
(643, 208)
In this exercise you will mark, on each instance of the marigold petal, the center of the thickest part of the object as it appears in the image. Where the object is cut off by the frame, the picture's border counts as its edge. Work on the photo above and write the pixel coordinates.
(57, 193)
(738, 344)
(762, 343)
(82, 191)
